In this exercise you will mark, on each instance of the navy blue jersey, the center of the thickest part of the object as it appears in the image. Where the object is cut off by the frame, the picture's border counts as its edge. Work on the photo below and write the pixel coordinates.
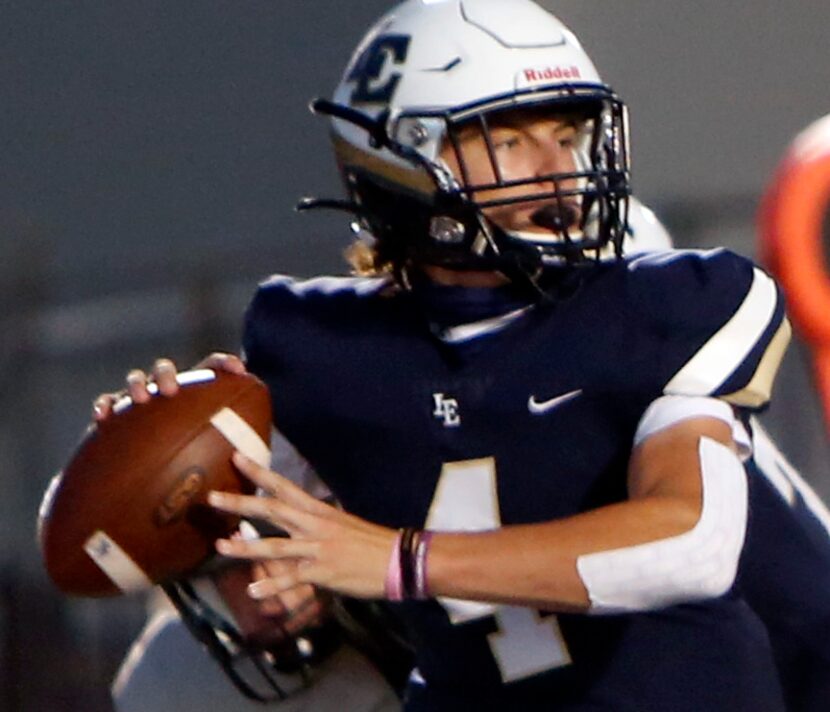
(412, 425)
(785, 573)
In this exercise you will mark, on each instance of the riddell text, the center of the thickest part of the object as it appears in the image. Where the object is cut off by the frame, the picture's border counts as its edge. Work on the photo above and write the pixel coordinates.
(538, 75)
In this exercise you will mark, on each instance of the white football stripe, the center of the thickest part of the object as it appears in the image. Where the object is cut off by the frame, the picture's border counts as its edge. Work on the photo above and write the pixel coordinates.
(724, 352)
(185, 378)
(242, 436)
(116, 563)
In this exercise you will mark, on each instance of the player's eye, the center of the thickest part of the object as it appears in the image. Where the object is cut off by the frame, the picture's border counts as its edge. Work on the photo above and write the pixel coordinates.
(506, 142)
(567, 138)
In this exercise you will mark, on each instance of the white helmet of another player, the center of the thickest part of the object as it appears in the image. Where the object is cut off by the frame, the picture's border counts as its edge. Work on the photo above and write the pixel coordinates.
(431, 67)
(645, 231)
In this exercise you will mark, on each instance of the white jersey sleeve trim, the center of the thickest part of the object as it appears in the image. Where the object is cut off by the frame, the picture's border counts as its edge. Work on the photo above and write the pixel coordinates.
(697, 565)
(667, 411)
(725, 351)
(328, 284)
(661, 258)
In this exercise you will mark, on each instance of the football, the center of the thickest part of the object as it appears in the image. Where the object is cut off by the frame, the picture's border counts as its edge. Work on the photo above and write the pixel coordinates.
(129, 510)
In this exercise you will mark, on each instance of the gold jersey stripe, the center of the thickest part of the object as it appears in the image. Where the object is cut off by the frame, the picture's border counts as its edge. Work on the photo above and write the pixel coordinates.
(759, 389)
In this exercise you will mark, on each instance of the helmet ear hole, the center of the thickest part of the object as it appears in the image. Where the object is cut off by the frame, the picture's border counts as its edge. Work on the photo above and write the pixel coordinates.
(446, 230)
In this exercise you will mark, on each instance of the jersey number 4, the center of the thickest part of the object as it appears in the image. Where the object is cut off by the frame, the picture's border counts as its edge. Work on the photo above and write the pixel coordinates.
(466, 499)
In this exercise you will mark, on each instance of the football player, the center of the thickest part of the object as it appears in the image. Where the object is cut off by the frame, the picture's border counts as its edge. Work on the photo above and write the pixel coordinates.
(169, 665)
(786, 578)
(540, 452)
(785, 568)
(785, 572)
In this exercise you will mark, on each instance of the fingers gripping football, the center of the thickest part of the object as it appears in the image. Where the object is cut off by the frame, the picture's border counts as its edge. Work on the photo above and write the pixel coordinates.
(163, 374)
(332, 549)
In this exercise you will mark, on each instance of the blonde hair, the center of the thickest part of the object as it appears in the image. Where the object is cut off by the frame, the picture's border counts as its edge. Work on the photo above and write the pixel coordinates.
(364, 260)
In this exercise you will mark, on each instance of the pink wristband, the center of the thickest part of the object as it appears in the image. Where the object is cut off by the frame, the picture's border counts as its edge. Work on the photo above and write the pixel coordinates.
(421, 554)
(393, 586)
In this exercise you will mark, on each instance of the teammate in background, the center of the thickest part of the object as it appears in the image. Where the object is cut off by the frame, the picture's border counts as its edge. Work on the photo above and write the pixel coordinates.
(785, 573)
(208, 645)
(785, 569)
(173, 664)
(580, 424)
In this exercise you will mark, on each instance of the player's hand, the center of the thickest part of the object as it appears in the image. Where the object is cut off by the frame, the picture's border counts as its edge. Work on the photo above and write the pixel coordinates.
(269, 622)
(163, 374)
(297, 608)
(332, 548)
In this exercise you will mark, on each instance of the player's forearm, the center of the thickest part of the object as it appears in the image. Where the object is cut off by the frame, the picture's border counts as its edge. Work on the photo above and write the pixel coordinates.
(678, 539)
(536, 564)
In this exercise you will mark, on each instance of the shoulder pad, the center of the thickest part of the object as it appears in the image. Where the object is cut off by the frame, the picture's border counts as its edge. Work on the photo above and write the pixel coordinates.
(284, 310)
(720, 318)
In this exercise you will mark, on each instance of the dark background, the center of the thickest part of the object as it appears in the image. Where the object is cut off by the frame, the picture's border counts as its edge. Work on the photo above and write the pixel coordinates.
(151, 154)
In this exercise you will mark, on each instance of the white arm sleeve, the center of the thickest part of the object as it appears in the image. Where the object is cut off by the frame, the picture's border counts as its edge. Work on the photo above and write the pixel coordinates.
(699, 564)
(670, 410)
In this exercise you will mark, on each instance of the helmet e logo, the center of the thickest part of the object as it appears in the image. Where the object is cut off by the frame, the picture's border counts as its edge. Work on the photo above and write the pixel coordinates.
(369, 69)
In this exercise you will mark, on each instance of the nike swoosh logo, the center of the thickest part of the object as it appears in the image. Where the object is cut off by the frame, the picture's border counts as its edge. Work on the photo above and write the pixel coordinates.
(539, 407)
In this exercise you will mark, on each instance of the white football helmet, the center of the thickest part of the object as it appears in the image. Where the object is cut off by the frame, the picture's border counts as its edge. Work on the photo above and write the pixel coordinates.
(645, 232)
(430, 67)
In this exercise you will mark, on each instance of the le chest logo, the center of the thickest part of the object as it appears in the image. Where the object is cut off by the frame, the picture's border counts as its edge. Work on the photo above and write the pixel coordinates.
(446, 410)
